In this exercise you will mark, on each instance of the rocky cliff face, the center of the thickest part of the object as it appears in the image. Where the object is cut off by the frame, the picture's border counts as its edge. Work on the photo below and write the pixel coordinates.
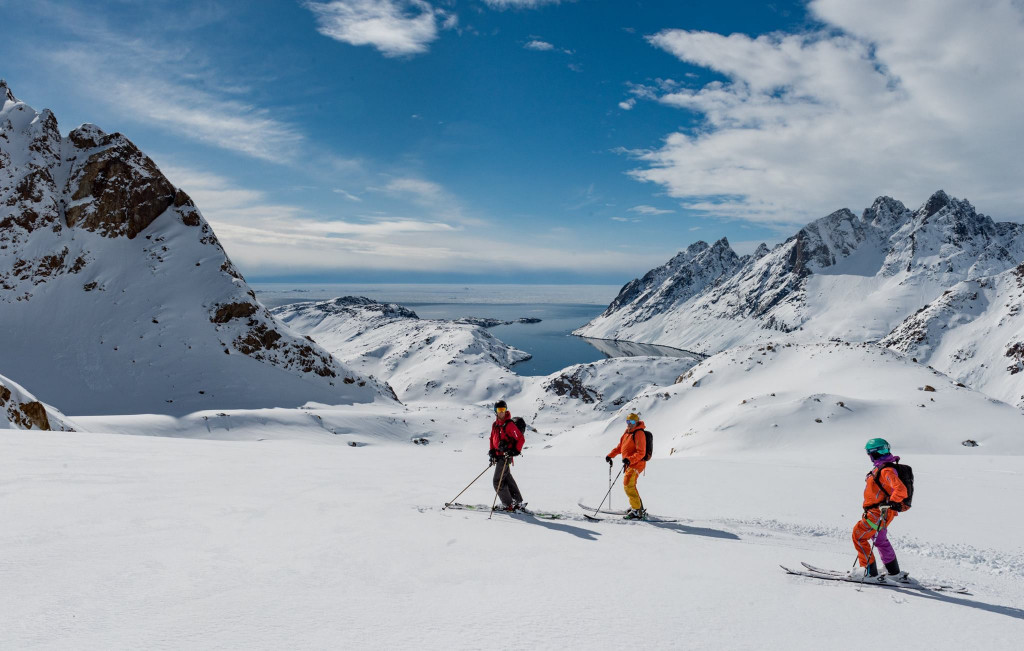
(116, 295)
(20, 410)
(842, 276)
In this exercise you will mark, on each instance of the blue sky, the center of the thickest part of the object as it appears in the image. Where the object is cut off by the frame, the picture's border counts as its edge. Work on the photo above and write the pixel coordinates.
(532, 140)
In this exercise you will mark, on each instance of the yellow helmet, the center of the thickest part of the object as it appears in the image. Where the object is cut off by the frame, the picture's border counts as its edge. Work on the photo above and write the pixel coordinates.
(633, 417)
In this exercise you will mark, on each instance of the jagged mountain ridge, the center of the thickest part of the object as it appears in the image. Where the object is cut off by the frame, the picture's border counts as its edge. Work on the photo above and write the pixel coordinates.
(841, 276)
(117, 297)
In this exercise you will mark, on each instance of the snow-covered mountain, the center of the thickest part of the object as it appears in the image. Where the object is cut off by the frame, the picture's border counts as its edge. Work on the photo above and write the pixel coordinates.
(117, 297)
(974, 332)
(820, 399)
(420, 358)
(19, 409)
(842, 276)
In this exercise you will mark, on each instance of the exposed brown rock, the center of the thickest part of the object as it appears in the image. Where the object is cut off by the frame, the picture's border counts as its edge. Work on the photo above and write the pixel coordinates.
(34, 413)
(126, 189)
(233, 311)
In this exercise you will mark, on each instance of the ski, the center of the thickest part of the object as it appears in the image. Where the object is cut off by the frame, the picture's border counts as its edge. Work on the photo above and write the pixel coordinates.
(839, 573)
(486, 509)
(833, 575)
(651, 518)
(593, 510)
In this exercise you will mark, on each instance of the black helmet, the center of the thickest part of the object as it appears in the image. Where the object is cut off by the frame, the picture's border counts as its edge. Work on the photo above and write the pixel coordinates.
(501, 404)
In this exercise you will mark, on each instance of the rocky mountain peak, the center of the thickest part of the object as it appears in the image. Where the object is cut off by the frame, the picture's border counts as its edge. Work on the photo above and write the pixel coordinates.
(5, 92)
(935, 203)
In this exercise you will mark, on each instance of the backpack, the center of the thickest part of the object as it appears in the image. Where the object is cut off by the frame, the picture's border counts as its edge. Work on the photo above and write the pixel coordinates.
(520, 425)
(650, 445)
(906, 475)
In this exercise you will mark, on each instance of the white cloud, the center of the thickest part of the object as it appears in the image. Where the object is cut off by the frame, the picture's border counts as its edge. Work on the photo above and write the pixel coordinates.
(650, 210)
(347, 195)
(884, 99)
(420, 189)
(501, 5)
(632, 220)
(395, 27)
(540, 46)
(628, 104)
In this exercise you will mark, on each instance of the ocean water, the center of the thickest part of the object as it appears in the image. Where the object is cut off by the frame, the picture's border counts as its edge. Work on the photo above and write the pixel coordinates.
(561, 308)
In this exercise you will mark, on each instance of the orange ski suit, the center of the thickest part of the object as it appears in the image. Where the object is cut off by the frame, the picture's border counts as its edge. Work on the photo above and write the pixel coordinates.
(632, 446)
(869, 526)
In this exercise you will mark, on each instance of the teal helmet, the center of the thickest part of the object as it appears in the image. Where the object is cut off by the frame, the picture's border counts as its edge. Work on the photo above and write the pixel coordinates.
(878, 446)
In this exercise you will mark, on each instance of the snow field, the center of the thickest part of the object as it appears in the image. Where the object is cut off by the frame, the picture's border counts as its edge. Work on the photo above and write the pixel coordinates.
(156, 542)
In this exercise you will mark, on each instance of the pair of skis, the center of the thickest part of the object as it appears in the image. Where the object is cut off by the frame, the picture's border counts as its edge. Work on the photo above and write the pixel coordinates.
(521, 511)
(883, 580)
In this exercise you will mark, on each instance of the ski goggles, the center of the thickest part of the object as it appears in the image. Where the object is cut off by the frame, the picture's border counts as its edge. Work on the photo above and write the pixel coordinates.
(500, 410)
(631, 422)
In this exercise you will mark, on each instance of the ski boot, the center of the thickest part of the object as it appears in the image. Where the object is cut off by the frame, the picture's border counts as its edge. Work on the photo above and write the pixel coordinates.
(635, 514)
(869, 573)
(893, 573)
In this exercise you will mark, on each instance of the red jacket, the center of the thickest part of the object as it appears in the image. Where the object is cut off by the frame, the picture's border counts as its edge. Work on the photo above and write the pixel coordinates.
(505, 432)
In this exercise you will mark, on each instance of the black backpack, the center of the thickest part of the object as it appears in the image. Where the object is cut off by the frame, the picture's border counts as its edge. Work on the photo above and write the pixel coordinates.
(906, 475)
(650, 445)
(520, 425)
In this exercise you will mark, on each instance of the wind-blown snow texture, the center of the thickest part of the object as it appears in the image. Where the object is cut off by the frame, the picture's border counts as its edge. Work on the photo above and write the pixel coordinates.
(844, 276)
(116, 296)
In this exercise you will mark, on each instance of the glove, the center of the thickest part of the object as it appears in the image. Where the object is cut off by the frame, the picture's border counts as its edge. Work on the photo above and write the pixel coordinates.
(507, 454)
(625, 463)
(493, 456)
(609, 460)
(896, 506)
(514, 452)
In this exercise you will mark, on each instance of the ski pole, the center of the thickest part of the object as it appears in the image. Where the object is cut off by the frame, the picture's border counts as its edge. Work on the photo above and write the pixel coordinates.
(609, 486)
(447, 504)
(500, 481)
(606, 495)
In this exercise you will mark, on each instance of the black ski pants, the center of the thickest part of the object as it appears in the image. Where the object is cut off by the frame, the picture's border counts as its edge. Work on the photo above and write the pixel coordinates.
(509, 490)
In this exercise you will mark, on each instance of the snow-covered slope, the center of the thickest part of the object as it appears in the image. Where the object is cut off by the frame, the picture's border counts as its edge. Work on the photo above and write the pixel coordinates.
(116, 296)
(420, 358)
(19, 409)
(844, 276)
(813, 399)
(974, 332)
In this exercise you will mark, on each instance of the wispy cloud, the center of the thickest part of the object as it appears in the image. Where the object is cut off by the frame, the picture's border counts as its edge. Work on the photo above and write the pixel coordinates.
(394, 27)
(876, 102)
(650, 210)
(347, 195)
(628, 104)
(156, 84)
(519, 4)
(540, 46)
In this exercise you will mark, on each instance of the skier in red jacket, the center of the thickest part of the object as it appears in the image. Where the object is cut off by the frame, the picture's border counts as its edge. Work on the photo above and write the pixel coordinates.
(506, 442)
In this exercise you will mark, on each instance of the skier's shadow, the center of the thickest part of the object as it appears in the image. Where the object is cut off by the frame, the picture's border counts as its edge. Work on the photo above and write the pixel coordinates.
(1009, 611)
(579, 532)
(695, 531)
